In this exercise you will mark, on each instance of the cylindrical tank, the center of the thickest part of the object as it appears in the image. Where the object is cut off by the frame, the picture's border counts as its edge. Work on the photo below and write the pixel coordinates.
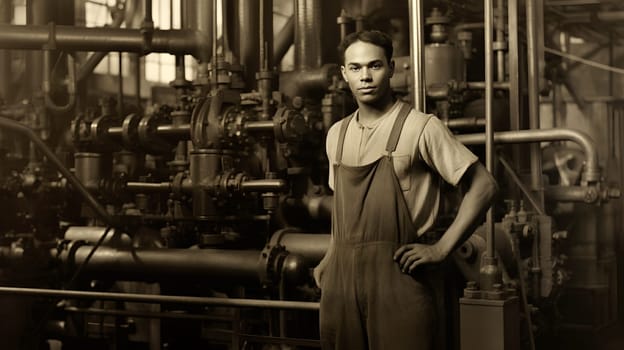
(88, 168)
(443, 63)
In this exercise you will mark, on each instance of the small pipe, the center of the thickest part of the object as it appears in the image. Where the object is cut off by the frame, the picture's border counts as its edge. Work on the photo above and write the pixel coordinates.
(499, 85)
(489, 131)
(264, 185)
(47, 87)
(533, 89)
(259, 126)
(145, 314)
(78, 186)
(417, 38)
(161, 299)
(161, 187)
(500, 38)
(592, 167)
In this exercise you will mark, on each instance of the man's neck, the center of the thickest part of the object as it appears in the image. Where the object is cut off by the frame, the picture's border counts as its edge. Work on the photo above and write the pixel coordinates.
(368, 113)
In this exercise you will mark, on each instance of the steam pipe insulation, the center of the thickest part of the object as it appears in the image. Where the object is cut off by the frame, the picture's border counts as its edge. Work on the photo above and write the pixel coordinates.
(591, 173)
(70, 38)
(238, 266)
(157, 299)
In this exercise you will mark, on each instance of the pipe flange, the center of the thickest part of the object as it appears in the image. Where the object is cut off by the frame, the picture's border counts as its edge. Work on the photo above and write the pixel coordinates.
(99, 133)
(149, 139)
(130, 132)
(270, 264)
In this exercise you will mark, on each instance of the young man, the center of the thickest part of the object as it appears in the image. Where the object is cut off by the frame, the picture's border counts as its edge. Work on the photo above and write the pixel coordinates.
(386, 161)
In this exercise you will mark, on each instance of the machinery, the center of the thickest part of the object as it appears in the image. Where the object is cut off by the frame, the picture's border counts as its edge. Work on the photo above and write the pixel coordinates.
(193, 220)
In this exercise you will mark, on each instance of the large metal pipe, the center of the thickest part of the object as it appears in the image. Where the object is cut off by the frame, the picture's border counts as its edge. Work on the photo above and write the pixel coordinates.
(247, 37)
(69, 38)
(161, 299)
(307, 34)
(240, 266)
(591, 173)
(417, 52)
(533, 88)
(311, 246)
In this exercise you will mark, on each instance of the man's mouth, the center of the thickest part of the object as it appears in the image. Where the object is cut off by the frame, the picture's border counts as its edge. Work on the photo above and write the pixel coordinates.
(367, 89)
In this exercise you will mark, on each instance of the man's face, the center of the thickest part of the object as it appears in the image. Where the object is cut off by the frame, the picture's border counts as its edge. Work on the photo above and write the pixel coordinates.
(368, 72)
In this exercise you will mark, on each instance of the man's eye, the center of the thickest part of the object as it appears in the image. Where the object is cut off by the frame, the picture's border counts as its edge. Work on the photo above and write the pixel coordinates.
(354, 69)
(376, 66)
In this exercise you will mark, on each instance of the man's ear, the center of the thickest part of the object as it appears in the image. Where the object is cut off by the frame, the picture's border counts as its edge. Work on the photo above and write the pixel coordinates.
(344, 73)
(391, 65)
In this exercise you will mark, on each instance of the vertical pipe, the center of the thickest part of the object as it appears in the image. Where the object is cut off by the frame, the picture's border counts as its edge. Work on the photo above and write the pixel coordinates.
(514, 73)
(265, 27)
(533, 90)
(137, 80)
(416, 21)
(120, 93)
(489, 133)
(5, 55)
(307, 34)
(500, 39)
(246, 41)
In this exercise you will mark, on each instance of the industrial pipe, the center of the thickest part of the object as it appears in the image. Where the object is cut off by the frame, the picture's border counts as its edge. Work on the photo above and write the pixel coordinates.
(533, 88)
(240, 266)
(490, 273)
(70, 38)
(417, 51)
(311, 246)
(47, 85)
(307, 34)
(161, 299)
(591, 173)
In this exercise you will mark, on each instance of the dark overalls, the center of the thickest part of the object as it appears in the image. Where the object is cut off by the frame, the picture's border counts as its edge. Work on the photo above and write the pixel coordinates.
(367, 302)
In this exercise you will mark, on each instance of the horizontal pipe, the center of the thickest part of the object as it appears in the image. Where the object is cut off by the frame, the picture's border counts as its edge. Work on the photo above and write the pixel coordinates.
(160, 299)
(153, 264)
(92, 234)
(592, 167)
(311, 246)
(151, 187)
(569, 193)
(69, 38)
(264, 185)
(259, 126)
(174, 130)
(145, 314)
(500, 85)
(464, 122)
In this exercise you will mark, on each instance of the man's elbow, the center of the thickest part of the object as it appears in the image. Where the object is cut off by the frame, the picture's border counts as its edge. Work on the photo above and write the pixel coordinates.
(487, 185)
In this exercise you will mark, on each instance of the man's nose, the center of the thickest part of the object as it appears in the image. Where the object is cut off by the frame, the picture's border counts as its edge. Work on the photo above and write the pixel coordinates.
(365, 74)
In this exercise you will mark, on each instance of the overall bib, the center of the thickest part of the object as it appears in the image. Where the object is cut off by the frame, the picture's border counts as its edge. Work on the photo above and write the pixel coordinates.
(366, 301)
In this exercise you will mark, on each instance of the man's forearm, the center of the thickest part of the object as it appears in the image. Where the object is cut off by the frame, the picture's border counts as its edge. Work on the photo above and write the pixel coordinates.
(476, 201)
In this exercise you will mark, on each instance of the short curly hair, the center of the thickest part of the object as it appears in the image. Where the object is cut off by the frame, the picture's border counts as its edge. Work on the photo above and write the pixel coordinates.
(374, 37)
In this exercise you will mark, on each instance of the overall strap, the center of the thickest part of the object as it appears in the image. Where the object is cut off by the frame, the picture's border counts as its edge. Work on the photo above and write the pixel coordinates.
(341, 137)
(393, 139)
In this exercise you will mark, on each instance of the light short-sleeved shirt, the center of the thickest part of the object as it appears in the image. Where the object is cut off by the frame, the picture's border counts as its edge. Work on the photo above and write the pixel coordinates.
(420, 159)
